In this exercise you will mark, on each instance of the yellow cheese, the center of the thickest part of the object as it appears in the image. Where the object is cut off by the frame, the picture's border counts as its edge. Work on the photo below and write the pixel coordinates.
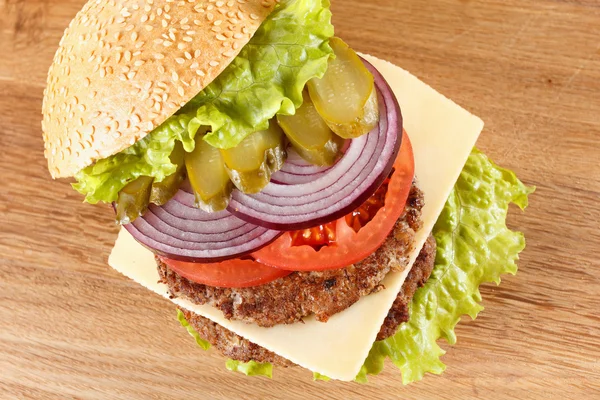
(442, 134)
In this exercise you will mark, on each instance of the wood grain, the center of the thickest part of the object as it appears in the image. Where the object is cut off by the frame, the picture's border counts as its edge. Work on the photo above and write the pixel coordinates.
(73, 328)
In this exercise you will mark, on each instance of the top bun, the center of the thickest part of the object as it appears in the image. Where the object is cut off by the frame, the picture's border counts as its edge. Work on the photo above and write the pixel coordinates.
(124, 67)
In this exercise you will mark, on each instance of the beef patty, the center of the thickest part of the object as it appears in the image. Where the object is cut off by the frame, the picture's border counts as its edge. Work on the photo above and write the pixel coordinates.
(324, 293)
(236, 347)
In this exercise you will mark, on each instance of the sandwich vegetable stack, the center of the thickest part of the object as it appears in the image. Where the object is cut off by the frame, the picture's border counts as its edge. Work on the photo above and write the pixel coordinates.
(301, 204)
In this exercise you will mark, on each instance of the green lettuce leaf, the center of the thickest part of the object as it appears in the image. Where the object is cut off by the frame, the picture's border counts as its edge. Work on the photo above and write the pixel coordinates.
(190, 329)
(474, 246)
(266, 78)
(104, 180)
(251, 368)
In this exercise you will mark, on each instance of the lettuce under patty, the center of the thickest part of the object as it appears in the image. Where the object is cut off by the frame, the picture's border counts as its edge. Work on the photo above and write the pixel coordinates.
(267, 77)
(474, 246)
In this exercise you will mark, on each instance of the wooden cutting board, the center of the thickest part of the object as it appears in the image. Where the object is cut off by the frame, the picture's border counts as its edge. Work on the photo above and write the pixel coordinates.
(70, 327)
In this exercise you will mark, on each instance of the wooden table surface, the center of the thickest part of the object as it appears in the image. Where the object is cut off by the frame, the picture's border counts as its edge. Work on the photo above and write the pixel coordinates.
(70, 327)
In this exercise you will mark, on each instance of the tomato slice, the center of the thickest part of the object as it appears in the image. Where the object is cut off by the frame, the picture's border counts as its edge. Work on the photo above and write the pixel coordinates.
(350, 246)
(234, 273)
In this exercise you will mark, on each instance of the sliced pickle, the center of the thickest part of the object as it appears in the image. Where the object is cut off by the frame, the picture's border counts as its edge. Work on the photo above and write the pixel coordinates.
(312, 139)
(346, 97)
(163, 191)
(133, 200)
(208, 177)
(362, 125)
(251, 163)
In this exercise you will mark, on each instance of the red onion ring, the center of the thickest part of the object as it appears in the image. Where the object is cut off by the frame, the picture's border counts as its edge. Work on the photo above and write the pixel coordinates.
(304, 203)
(297, 170)
(180, 231)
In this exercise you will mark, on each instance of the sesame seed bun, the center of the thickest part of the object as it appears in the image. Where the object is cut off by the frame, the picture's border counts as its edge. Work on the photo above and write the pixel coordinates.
(123, 68)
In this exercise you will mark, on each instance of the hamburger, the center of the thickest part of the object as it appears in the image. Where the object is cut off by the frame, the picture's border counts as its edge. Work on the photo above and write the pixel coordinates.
(300, 203)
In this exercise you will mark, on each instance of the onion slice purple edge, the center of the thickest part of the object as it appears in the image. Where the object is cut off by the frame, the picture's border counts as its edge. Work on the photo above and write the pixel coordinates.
(288, 207)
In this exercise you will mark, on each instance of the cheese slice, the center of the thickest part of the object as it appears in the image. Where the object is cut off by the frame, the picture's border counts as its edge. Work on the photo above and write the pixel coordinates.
(442, 135)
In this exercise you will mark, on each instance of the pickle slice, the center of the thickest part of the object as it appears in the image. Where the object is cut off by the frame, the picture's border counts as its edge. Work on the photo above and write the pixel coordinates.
(251, 163)
(312, 139)
(346, 97)
(163, 191)
(208, 177)
(133, 200)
